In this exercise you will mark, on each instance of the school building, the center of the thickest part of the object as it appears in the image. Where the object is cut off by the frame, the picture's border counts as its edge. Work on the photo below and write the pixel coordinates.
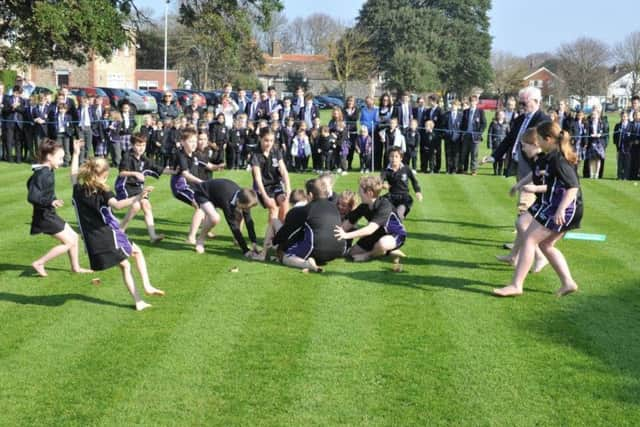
(316, 71)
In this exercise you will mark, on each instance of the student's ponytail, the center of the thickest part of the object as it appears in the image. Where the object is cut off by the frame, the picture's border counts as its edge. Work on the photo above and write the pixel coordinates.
(561, 140)
(47, 146)
(567, 150)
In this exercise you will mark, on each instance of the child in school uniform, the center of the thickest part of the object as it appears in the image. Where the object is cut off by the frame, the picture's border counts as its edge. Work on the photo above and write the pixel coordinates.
(106, 243)
(63, 130)
(343, 147)
(115, 137)
(205, 157)
(219, 133)
(396, 177)
(326, 148)
(134, 168)
(384, 234)
(559, 210)
(235, 203)
(168, 136)
(412, 142)
(271, 178)
(185, 177)
(429, 142)
(41, 194)
(149, 132)
(101, 133)
(288, 133)
(364, 148)
(498, 131)
(301, 149)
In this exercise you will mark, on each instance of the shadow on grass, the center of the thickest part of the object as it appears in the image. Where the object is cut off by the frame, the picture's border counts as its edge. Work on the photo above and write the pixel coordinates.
(455, 239)
(460, 223)
(26, 270)
(55, 300)
(454, 264)
(413, 281)
(604, 327)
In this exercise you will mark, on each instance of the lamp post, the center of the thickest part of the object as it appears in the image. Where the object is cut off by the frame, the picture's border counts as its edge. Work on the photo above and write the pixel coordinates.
(166, 21)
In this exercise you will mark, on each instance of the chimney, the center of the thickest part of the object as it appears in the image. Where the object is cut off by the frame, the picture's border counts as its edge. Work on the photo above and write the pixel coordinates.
(275, 49)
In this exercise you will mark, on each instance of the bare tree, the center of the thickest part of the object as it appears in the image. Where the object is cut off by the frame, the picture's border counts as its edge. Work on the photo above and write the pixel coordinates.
(627, 54)
(321, 31)
(351, 58)
(508, 71)
(583, 66)
(294, 40)
(276, 31)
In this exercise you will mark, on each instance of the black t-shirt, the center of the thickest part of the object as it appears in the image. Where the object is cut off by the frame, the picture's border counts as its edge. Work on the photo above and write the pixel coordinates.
(95, 218)
(561, 176)
(223, 194)
(379, 213)
(144, 165)
(399, 180)
(186, 163)
(269, 166)
(41, 187)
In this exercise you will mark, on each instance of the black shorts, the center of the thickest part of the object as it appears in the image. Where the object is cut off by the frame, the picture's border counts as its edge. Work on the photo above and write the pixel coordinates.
(272, 191)
(400, 199)
(46, 221)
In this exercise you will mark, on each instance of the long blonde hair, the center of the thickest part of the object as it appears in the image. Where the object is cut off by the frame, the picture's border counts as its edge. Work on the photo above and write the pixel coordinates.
(90, 172)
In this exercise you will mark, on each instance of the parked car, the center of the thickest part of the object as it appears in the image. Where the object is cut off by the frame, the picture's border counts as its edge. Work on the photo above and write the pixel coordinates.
(488, 104)
(116, 96)
(90, 91)
(212, 98)
(330, 102)
(321, 105)
(41, 89)
(143, 103)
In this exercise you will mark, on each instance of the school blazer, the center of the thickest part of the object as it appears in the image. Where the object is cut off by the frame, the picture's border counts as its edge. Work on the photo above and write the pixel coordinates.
(69, 128)
(14, 116)
(41, 130)
(303, 110)
(398, 113)
(478, 126)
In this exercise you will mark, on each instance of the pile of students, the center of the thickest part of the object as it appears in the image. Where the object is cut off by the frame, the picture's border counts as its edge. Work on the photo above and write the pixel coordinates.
(320, 227)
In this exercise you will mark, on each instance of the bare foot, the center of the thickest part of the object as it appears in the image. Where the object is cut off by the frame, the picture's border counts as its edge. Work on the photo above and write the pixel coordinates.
(211, 235)
(397, 253)
(313, 266)
(199, 248)
(157, 238)
(82, 271)
(566, 290)
(153, 291)
(190, 240)
(141, 305)
(539, 265)
(508, 291)
(39, 268)
(507, 259)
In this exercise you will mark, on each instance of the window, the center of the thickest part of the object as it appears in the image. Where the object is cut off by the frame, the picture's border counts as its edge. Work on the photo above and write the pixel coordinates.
(62, 78)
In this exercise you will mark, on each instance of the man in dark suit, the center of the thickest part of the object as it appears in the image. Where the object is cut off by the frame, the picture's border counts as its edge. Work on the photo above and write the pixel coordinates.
(72, 108)
(14, 109)
(530, 97)
(403, 112)
(243, 101)
(434, 113)
(452, 137)
(309, 111)
(473, 125)
(39, 117)
(251, 110)
(272, 103)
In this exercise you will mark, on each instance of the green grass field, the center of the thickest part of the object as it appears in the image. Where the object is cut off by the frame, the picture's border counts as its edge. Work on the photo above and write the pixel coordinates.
(356, 345)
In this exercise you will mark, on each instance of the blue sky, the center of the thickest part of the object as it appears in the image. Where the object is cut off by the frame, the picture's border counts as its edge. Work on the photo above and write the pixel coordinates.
(553, 22)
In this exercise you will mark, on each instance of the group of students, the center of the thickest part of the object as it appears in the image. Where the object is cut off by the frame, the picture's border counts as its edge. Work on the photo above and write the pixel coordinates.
(319, 228)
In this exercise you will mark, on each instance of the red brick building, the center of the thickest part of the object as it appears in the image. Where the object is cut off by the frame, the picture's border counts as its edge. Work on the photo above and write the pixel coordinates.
(547, 81)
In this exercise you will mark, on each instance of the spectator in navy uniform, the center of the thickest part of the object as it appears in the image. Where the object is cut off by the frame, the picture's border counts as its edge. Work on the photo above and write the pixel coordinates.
(473, 125)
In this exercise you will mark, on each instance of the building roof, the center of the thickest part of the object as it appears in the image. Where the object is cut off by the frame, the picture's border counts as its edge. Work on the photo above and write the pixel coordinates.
(554, 75)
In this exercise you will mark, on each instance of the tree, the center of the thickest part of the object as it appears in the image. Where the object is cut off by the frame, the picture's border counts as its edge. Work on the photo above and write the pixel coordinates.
(508, 71)
(351, 58)
(276, 31)
(411, 71)
(583, 66)
(150, 39)
(215, 41)
(451, 34)
(39, 32)
(321, 31)
(627, 54)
